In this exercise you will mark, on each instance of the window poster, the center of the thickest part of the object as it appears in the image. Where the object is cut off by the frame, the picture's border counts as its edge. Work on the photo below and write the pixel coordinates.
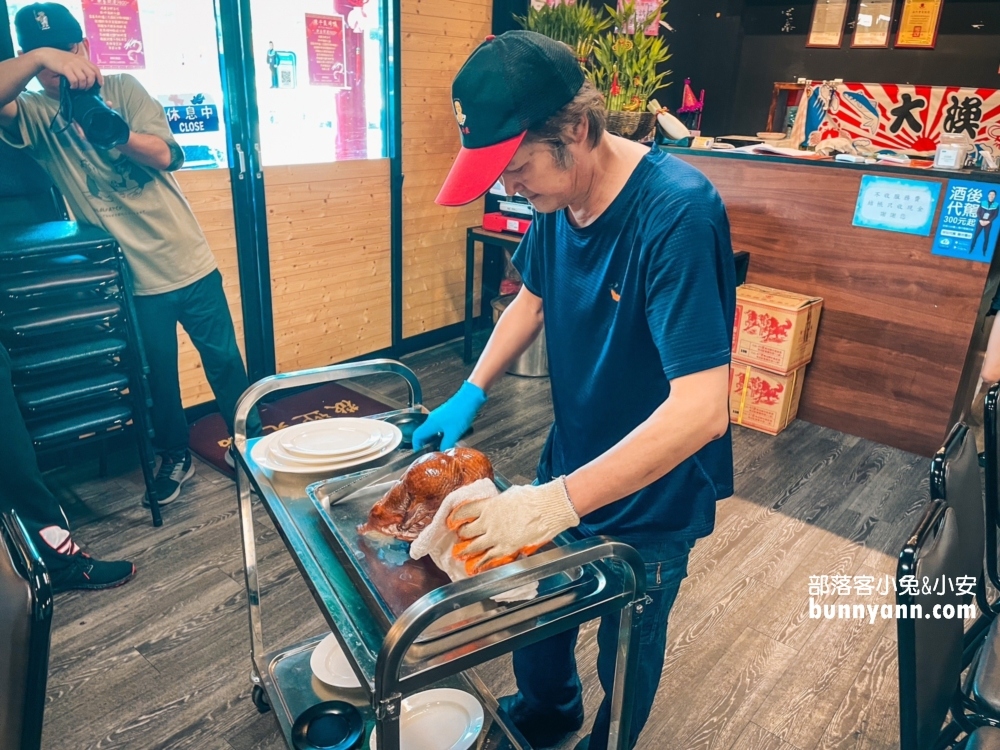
(968, 227)
(897, 205)
(325, 44)
(827, 29)
(112, 26)
(871, 27)
(918, 26)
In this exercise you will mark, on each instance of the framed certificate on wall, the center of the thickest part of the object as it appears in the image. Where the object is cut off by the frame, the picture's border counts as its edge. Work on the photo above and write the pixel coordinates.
(827, 28)
(918, 25)
(873, 22)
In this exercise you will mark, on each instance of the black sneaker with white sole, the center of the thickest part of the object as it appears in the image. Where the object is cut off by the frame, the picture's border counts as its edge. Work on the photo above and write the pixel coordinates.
(171, 477)
(84, 572)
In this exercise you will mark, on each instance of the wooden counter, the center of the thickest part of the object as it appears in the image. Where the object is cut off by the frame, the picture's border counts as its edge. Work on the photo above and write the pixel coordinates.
(897, 321)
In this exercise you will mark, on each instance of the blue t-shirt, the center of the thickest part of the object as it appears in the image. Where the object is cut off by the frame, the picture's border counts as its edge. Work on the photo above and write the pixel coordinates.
(645, 294)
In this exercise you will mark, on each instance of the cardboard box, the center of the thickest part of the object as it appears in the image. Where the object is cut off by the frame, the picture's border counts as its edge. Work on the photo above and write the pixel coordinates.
(763, 400)
(773, 329)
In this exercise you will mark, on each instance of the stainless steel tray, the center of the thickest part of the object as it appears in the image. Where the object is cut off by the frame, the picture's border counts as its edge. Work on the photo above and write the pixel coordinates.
(389, 579)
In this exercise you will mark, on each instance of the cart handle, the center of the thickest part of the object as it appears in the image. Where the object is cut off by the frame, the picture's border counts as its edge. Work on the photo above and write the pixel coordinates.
(284, 381)
(458, 594)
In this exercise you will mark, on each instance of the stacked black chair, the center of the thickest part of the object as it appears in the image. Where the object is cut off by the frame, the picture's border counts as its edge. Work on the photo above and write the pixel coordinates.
(955, 479)
(67, 320)
(934, 647)
(25, 624)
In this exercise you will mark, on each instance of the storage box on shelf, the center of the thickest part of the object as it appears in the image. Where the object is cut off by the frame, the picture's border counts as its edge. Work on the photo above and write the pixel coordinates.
(66, 319)
(774, 335)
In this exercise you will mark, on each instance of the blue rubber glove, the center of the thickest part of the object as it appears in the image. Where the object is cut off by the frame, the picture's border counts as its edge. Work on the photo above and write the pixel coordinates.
(452, 418)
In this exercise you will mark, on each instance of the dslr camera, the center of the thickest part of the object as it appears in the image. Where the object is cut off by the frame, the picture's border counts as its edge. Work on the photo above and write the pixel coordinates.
(102, 126)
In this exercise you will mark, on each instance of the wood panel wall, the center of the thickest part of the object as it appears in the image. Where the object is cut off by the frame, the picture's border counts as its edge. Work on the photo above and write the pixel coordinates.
(329, 238)
(437, 38)
(208, 192)
(896, 322)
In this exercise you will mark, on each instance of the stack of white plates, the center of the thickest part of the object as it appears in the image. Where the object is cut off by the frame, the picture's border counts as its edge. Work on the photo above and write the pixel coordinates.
(326, 445)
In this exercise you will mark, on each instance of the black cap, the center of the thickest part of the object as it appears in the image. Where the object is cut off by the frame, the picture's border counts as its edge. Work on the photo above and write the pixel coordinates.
(510, 83)
(46, 25)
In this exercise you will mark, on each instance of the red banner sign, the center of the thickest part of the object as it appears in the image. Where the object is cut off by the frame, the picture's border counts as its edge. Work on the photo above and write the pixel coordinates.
(325, 44)
(112, 26)
(908, 119)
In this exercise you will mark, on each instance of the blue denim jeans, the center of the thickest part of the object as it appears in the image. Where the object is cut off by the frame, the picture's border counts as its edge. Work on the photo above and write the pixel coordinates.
(546, 671)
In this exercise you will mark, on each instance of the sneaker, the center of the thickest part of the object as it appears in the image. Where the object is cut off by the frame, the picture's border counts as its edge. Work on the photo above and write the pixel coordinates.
(171, 477)
(540, 730)
(84, 572)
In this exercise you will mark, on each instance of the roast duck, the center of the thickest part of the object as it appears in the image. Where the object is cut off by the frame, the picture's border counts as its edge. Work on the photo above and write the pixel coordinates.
(409, 506)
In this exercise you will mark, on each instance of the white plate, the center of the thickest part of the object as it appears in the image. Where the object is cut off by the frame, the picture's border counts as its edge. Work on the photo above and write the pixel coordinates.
(440, 719)
(329, 664)
(277, 451)
(264, 457)
(329, 438)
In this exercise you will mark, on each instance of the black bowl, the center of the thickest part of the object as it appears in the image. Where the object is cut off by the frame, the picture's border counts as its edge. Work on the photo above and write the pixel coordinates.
(331, 725)
(407, 422)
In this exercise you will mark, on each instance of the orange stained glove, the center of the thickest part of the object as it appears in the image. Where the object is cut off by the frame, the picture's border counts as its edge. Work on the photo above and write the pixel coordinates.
(497, 530)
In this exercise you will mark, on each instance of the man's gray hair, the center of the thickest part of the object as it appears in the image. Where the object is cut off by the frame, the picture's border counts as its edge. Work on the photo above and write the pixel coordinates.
(587, 105)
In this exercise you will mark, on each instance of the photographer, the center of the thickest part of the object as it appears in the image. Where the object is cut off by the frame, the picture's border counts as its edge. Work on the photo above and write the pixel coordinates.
(129, 191)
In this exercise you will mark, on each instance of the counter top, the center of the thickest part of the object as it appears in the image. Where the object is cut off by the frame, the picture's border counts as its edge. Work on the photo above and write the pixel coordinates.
(828, 163)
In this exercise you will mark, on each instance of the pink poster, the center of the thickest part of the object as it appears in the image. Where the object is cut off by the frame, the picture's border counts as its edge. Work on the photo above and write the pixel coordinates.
(644, 8)
(325, 44)
(112, 26)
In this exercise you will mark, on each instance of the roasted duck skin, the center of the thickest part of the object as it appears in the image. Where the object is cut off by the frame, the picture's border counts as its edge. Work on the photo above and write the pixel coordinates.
(409, 506)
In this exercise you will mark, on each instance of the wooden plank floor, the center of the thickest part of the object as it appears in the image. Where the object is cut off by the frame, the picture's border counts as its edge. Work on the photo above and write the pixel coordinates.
(164, 661)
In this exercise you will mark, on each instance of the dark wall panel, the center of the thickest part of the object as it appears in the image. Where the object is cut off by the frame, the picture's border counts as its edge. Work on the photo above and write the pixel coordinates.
(965, 55)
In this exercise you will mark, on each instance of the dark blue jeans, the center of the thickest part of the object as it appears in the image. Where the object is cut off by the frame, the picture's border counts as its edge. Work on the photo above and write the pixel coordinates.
(546, 671)
(202, 309)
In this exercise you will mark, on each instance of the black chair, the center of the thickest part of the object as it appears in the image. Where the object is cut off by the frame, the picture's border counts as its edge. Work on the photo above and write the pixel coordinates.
(742, 258)
(27, 195)
(25, 625)
(991, 424)
(930, 649)
(67, 320)
(954, 479)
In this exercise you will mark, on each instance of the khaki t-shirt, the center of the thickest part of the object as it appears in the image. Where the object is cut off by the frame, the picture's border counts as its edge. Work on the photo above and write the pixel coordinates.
(141, 207)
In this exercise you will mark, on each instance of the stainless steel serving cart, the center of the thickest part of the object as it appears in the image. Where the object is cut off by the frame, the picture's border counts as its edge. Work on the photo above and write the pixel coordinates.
(403, 626)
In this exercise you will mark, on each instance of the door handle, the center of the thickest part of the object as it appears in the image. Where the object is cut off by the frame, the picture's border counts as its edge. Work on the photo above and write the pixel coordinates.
(243, 160)
(260, 163)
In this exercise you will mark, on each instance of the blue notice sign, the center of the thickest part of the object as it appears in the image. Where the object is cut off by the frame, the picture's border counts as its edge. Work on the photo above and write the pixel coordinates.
(192, 118)
(968, 228)
(895, 205)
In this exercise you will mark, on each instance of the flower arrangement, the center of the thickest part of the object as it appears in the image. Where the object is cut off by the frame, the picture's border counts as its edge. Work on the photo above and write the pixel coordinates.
(576, 24)
(625, 62)
(622, 64)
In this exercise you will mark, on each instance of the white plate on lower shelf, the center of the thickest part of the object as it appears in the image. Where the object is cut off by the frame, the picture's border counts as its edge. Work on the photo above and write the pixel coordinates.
(439, 719)
(329, 664)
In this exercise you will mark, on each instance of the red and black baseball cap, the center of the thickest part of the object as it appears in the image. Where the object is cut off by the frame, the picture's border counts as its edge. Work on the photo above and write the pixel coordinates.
(509, 84)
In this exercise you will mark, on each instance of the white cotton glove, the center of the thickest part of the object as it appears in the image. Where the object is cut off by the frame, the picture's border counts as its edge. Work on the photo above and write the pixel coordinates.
(498, 530)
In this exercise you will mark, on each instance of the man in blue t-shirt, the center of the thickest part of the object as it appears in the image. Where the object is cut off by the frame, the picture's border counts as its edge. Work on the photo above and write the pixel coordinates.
(629, 268)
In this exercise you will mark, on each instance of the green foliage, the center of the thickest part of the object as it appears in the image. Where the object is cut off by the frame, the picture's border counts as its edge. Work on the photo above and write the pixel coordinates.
(622, 63)
(575, 25)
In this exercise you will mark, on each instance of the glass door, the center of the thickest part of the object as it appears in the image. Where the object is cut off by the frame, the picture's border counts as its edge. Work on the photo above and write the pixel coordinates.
(171, 47)
(319, 87)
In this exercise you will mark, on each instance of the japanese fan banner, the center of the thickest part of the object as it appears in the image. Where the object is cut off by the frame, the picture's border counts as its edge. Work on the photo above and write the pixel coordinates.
(112, 26)
(907, 119)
